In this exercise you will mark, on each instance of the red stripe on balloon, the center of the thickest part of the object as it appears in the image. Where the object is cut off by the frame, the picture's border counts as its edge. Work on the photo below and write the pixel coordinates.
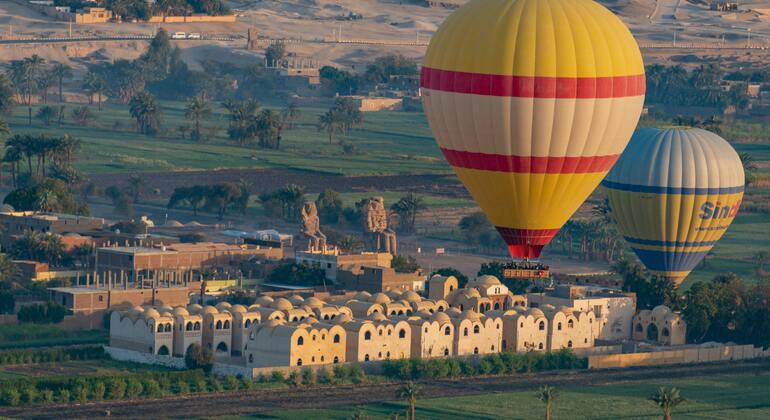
(532, 86)
(530, 164)
(526, 243)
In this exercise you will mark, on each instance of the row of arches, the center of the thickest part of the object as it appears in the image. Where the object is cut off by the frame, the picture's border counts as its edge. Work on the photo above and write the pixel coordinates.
(401, 334)
(301, 340)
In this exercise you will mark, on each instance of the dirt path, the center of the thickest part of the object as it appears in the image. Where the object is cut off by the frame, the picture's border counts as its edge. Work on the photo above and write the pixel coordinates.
(257, 401)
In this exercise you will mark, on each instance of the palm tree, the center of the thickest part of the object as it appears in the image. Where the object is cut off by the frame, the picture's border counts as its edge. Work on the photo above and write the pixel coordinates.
(61, 71)
(45, 81)
(409, 392)
(667, 399)
(46, 114)
(243, 114)
(268, 126)
(749, 166)
(31, 69)
(291, 114)
(94, 84)
(407, 209)
(135, 185)
(146, 112)
(329, 122)
(196, 110)
(547, 394)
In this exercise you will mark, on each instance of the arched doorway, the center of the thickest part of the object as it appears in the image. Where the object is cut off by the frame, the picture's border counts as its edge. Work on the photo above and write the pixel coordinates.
(163, 351)
(222, 347)
(652, 332)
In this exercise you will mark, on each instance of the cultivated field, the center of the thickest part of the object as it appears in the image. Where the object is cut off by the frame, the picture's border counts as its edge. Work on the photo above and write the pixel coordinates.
(723, 397)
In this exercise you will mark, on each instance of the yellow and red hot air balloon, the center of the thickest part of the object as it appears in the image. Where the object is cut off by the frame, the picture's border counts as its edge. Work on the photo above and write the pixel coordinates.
(532, 102)
(674, 192)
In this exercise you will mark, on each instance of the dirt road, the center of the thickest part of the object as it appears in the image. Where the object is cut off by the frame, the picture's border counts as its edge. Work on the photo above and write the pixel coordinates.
(260, 401)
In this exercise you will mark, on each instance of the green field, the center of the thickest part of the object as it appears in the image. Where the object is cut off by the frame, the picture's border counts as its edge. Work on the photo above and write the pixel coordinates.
(33, 335)
(387, 143)
(722, 397)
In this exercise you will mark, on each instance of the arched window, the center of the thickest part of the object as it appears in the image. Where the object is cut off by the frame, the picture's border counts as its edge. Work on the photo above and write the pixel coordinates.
(299, 362)
(493, 348)
(430, 310)
(366, 358)
(294, 319)
(379, 332)
(390, 331)
(387, 355)
(163, 351)
(227, 325)
(505, 345)
(465, 332)
(540, 346)
(461, 307)
(322, 359)
(379, 355)
(497, 305)
(326, 317)
(160, 328)
(446, 352)
(639, 328)
(248, 323)
(541, 325)
(368, 335)
(447, 330)
(189, 326)
(475, 350)
(197, 326)
(251, 358)
(336, 338)
(665, 332)
(401, 312)
(336, 359)
(312, 359)
(475, 329)
(219, 325)
(312, 337)
(569, 344)
(451, 287)
(402, 333)
(221, 347)
(558, 326)
(300, 341)
(570, 324)
(585, 340)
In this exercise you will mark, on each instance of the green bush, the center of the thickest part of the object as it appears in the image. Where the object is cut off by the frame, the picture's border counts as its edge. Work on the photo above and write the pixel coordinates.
(294, 378)
(29, 394)
(64, 396)
(46, 396)
(340, 373)
(356, 374)
(117, 389)
(133, 388)
(42, 313)
(215, 385)
(197, 357)
(201, 385)
(232, 383)
(277, 376)
(98, 390)
(182, 387)
(309, 376)
(52, 355)
(10, 397)
(150, 388)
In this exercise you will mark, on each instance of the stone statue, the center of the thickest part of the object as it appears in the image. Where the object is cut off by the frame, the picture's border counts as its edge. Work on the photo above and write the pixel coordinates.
(310, 226)
(378, 236)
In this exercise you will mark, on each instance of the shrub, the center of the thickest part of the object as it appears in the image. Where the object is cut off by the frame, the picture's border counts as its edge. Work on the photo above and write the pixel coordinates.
(182, 387)
(64, 396)
(10, 396)
(215, 385)
(295, 378)
(46, 396)
(117, 389)
(81, 393)
(340, 373)
(201, 385)
(261, 378)
(133, 388)
(232, 383)
(277, 376)
(197, 357)
(325, 375)
(150, 388)
(29, 394)
(357, 375)
(309, 376)
(98, 390)
(42, 313)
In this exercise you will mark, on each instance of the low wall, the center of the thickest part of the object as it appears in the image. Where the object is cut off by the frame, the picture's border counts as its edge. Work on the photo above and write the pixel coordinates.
(677, 356)
(124, 355)
(191, 19)
(612, 349)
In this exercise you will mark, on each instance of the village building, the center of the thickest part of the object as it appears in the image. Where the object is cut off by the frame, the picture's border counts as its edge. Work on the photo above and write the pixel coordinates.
(525, 330)
(15, 223)
(432, 335)
(217, 328)
(614, 310)
(661, 326)
(142, 329)
(376, 279)
(475, 333)
(331, 260)
(376, 338)
(279, 343)
(485, 293)
(188, 331)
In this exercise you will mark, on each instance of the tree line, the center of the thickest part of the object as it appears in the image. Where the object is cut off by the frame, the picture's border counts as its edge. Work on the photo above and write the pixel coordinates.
(674, 85)
(143, 10)
(217, 198)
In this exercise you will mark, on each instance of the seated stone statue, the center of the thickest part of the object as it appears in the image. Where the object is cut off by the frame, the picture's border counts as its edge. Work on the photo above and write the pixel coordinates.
(310, 226)
(378, 235)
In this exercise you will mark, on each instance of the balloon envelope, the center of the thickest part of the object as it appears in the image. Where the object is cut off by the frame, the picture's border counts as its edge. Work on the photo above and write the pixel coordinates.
(531, 102)
(674, 192)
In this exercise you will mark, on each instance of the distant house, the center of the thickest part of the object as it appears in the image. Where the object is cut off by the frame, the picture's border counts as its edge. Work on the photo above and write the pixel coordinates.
(93, 15)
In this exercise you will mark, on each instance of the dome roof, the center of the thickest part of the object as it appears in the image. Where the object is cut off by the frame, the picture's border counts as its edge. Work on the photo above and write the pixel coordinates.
(311, 320)
(424, 313)
(172, 223)
(166, 314)
(660, 312)
(223, 305)
(180, 311)
(194, 308)
(362, 296)
(536, 312)
(453, 311)
(487, 281)
(208, 309)
(411, 296)
(282, 304)
(151, 313)
(378, 317)
(343, 318)
(471, 315)
(470, 293)
(314, 302)
(440, 317)
(273, 323)
(238, 308)
(393, 294)
(380, 298)
(296, 300)
(264, 300)
(566, 311)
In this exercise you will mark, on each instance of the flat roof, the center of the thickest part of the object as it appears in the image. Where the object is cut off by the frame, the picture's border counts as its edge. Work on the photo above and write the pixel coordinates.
(134, 250)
